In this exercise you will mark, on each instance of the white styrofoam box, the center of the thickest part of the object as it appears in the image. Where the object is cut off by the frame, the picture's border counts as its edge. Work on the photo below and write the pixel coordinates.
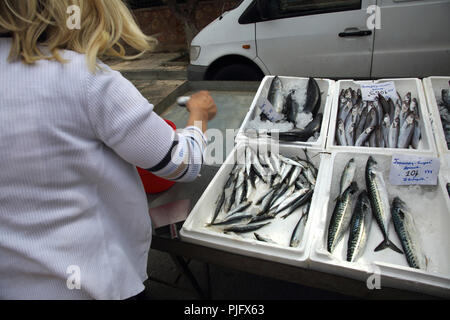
(279, 230)
(430, 207)
(326, 88)
(403, 86)
(433, 87)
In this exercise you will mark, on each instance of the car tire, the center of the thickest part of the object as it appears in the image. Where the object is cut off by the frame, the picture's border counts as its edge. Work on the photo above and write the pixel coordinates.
(241, 72)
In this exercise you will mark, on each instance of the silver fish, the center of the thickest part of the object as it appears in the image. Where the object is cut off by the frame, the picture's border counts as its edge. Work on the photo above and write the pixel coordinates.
(379, 201)
(236, 218)
(340, 133)
(263, 239)
(347, 175)
(298, 203)
(239, 208)
(341, 216)
(360, 225)
(295, 175)
(364, 136)
(245, 228)
(405, 229)
(406, 132)
(416, 134)
(394, 131)
(291, 199)
(297, 233)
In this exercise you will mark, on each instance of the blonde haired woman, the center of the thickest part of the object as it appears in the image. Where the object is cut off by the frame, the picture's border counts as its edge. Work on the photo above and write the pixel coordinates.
(74, 221)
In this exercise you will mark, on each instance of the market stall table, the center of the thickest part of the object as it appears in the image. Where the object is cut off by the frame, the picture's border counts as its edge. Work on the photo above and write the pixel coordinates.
(181, 250)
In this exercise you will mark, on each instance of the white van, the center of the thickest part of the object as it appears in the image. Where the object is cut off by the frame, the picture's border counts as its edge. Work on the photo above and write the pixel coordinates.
(325, 38)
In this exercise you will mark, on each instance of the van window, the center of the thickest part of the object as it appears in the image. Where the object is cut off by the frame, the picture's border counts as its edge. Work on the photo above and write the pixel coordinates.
(264, 10)
(316, 6)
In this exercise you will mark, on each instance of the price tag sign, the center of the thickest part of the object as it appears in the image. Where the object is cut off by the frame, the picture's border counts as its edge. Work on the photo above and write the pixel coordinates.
(370, 91)
(411, 170)
(267, 108)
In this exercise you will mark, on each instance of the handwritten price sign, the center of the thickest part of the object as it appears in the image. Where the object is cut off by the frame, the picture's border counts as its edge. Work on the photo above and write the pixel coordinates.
(410, 170)
(371, 90)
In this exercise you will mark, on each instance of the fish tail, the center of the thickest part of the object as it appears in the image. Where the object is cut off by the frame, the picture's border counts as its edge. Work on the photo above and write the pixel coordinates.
(388, 244)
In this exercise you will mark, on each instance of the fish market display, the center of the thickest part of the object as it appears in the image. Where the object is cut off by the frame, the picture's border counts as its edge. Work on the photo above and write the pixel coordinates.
(297, 111)
(444, 112)
(407, 233)
(263, 188)
(357, 219)
(382, 123)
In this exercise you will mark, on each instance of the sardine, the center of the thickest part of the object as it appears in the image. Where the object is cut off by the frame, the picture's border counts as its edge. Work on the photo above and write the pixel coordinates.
(299, 229)
(341, 216)
(379, 201)
(416, 134)
(245, 228)
(298, 203)
(236, 218)
(394, 131)
(347, 175)
(263, 239)
(360, 225)
(239, 208)
(291, 199)
(220, 203)
(405, 229)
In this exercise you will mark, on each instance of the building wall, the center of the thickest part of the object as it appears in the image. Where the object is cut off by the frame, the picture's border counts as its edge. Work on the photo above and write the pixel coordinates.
(162, 24)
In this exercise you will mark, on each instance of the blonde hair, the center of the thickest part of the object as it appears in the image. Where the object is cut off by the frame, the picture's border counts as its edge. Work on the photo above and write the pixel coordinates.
(105, 26)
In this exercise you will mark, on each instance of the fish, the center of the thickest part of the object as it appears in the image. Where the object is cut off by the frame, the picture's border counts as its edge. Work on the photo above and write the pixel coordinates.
(341, 216)
(416, 134)
(300, 134)
(245, 228)
(347, 175)
(379, 201)
(407, 233)
(364, 136)
(360, 226)
(294, 176)
(445, 95)
(239, 208)
(292, 107)
(298, 203)
(394, 131)
(350, 134)
(406, 132)
(340, 133)
(291, 199)
(313, 97)
(275, 95)
(220, 203)
(299, 229)
(244, 216)
(263, 239)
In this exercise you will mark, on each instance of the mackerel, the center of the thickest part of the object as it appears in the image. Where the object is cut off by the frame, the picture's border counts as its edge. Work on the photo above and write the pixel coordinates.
(347, 175)
(360, 226)
(340, 218)
(405, 229)
(379, 201)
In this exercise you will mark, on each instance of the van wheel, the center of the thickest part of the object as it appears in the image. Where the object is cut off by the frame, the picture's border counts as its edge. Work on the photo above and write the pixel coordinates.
(242, 72)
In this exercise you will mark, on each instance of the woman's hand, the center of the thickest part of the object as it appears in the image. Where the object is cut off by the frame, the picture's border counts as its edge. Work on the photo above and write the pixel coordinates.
(202, 109)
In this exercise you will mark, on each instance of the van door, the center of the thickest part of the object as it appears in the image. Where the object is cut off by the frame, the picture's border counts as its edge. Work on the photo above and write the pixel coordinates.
(413, 39)
(319, 38)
